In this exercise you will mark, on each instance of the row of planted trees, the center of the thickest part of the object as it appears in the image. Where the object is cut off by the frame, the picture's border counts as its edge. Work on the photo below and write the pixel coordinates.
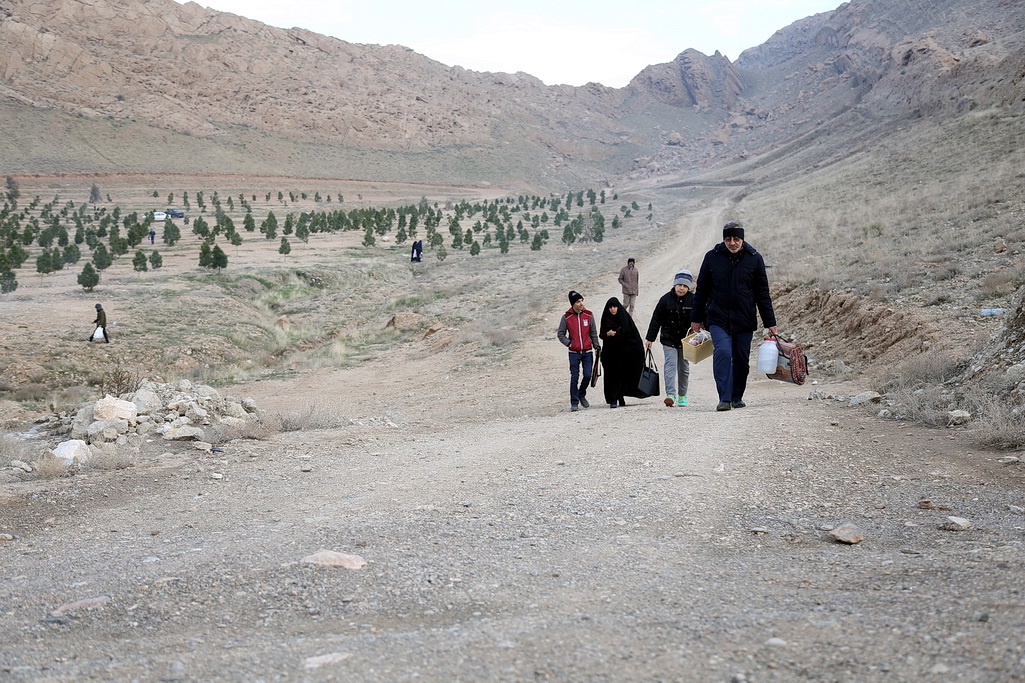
(63, 231)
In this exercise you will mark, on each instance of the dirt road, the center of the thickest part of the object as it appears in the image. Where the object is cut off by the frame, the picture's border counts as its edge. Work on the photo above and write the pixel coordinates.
(509, 539)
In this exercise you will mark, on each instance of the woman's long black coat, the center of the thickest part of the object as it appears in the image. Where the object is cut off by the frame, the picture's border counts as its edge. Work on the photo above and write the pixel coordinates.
(622, 355)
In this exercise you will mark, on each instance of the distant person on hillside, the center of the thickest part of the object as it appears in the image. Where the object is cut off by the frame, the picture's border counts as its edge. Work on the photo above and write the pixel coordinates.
(733, 286)
(578, 332)
(152, 236)
(417, 252)
(672, 315)
(629, 279)
(622, 353)
(101, 324)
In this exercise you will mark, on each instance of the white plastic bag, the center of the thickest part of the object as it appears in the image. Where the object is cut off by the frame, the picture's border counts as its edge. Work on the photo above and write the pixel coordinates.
(98, 333)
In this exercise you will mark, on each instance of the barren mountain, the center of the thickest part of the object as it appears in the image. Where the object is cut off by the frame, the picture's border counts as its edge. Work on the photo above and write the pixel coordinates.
(149, 80)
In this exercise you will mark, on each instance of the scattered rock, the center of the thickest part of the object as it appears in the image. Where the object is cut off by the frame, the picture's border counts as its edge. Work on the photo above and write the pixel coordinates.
(956, 524)
(21, 465)
(865, 397)
(958, 417)
(321, 660)
(848, 533)
(88, 603)
(330, 558)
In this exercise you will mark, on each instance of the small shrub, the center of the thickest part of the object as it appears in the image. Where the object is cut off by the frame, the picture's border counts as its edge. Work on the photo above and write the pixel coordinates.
(308, 417)
(999, 424)
(116, 460)
(257, 427)
(999, 283)
(120, 379)
(31, 391)
(13, 448)
(50, 466)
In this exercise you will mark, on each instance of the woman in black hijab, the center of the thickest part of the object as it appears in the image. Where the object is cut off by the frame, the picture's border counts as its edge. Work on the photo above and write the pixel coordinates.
(622, 353)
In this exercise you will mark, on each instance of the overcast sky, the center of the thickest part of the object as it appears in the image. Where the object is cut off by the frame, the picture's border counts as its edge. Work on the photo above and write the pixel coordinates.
(572, 42)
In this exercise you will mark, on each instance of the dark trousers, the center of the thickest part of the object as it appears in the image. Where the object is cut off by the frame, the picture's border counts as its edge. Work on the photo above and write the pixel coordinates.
(731, 362)
(577, 384)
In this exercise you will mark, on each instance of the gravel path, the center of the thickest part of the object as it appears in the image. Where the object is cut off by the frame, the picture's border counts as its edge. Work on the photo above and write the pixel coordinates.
(506, 538)
(637, 544)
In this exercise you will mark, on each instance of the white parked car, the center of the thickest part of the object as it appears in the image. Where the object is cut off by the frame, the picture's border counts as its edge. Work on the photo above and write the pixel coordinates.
(159, 216)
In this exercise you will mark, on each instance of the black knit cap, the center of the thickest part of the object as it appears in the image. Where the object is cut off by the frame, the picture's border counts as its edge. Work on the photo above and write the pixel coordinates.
(574, 296)
(733, 229)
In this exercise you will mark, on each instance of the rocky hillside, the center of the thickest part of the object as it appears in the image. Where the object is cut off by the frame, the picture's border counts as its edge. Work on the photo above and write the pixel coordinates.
(169, 77)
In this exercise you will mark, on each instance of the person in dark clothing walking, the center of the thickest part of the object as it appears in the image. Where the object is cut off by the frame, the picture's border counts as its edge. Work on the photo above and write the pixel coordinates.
(672, 315)
(101, 324)
(622, 354)
(734, 286)
(579, 334)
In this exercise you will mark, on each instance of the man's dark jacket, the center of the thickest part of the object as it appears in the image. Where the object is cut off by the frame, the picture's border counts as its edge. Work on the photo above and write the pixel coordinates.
(672, 314)
(730, 288)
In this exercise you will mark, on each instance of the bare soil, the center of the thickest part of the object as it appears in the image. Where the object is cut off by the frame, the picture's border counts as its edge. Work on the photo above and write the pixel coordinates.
(507, 538)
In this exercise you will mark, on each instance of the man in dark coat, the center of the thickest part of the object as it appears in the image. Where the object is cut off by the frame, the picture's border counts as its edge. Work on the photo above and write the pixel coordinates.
(733, 286)
(101, 324)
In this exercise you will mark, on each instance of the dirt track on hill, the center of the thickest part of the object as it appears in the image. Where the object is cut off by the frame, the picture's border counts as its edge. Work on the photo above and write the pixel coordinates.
(509, 539)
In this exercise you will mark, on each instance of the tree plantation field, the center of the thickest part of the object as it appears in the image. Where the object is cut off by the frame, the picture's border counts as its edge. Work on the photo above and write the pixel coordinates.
(297, 298)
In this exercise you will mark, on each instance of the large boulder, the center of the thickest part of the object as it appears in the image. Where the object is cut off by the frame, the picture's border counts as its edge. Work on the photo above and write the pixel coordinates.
(110, 408)
(70, 451)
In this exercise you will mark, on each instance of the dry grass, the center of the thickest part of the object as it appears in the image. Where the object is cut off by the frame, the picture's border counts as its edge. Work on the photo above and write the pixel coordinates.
(918, 386)
(111, 460)
(310, 416)
(905, 217)
(256, 427)
(1000, 424)
(14, 448)
(50, 466)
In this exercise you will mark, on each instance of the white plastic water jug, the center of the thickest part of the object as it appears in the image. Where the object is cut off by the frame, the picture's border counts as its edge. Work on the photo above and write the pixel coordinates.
(768, 354)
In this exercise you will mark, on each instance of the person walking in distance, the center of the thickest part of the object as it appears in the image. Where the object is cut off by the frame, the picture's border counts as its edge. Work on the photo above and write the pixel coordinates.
(734, 286)
(629, 279)
(579, 334)
(672, 315)
(101, 324)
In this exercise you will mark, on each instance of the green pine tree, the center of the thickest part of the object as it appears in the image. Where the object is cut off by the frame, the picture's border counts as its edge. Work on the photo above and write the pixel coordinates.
(88, 278)
(206, 256)
(219, 258)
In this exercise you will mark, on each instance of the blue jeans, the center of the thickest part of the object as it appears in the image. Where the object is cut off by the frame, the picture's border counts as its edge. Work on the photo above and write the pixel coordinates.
(731, 362)
(676, 370)
(578, 388)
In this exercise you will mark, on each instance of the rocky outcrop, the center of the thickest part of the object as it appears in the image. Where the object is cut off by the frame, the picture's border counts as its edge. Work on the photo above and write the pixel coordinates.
(692, 80)
(175, 412)
(237, 83)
